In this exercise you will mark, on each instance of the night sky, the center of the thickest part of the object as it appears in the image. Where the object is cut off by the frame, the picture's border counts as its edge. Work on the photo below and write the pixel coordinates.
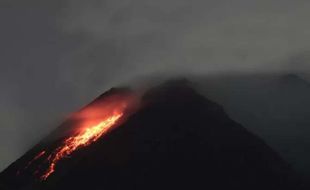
(57, 55)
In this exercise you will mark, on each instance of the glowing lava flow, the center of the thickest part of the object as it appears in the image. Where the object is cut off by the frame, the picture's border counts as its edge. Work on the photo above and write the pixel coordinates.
(35, 158)
(31, 161)
(84, 138)
(90, 124)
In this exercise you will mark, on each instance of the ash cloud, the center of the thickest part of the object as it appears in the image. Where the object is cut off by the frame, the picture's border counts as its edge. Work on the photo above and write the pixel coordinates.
(125, 39)
(59, 55)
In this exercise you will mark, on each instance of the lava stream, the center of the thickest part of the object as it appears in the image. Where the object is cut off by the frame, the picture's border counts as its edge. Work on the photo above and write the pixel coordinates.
(84, 138)
(35, 158)
(92, 123)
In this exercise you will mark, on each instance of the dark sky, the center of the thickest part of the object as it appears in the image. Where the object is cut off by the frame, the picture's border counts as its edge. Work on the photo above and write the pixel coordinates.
(58, 55)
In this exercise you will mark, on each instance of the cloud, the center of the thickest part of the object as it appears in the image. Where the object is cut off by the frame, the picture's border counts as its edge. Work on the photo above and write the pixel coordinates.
(189, 36)
(59, 55)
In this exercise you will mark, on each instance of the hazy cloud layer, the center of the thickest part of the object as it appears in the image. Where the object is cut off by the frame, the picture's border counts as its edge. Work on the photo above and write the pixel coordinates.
(58, 55)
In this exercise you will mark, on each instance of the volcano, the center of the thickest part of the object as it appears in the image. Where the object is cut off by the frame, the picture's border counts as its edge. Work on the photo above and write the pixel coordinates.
(169, 138)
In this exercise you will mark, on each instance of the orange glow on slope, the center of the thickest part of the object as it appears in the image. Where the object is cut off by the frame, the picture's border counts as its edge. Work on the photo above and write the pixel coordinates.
(84, 138)
(35, 158)
(31, 161)
(92, 123)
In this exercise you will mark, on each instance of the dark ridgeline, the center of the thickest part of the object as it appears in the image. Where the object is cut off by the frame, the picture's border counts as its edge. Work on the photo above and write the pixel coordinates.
(177, 140)
(273, 106)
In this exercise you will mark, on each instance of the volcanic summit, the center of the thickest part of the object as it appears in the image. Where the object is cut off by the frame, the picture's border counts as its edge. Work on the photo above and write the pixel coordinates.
(170, 138)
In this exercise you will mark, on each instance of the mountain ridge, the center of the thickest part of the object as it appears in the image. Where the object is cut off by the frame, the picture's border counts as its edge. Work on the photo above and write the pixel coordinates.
(177, 139)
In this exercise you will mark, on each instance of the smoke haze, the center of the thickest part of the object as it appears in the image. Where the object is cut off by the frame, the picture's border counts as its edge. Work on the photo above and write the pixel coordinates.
(58, 55)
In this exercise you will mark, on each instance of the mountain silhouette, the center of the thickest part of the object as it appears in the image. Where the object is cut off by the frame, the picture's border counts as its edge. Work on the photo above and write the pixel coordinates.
(177, 139)
(274, 107)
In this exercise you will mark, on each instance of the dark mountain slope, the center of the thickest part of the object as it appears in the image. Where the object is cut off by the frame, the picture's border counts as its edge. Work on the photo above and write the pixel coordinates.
(177, 140)
(275, 107)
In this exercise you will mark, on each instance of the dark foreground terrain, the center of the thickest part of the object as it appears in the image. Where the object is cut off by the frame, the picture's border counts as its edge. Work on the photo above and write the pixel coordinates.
(178, 139)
